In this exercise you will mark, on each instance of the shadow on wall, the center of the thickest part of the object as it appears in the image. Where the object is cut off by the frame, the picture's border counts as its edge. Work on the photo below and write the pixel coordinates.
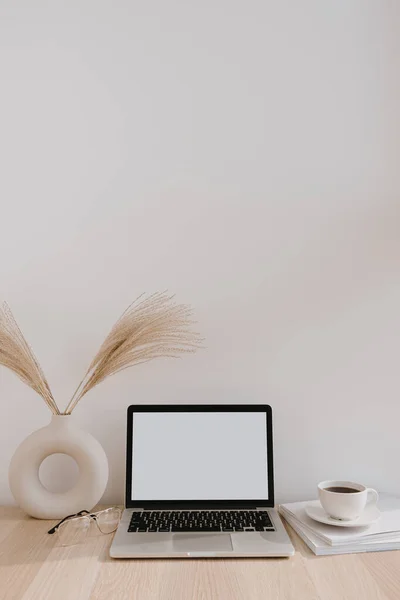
(329, 273)
(327, 277)
(111, 432)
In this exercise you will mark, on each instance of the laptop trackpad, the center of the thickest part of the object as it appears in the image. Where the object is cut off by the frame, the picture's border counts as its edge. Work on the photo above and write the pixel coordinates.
(198, 542)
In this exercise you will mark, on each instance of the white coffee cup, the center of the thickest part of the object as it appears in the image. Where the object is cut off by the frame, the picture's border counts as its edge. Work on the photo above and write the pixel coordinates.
(345, 500)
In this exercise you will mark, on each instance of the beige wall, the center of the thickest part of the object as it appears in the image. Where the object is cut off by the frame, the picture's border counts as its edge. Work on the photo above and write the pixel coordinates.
(242, 154)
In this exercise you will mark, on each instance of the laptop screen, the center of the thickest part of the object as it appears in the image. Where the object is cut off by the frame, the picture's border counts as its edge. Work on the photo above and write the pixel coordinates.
(199, 456)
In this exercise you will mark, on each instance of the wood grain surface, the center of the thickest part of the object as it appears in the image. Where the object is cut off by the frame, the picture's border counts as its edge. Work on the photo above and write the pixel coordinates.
(33, 566)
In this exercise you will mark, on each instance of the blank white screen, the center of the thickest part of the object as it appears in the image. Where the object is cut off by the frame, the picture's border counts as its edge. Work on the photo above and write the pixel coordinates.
(199, 456)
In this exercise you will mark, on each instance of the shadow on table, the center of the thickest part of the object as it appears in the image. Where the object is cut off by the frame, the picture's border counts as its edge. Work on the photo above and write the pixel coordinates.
(25, 541)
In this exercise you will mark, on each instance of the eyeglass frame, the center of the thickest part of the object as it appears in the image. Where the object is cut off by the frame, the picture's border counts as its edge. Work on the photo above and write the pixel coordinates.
(85, 513)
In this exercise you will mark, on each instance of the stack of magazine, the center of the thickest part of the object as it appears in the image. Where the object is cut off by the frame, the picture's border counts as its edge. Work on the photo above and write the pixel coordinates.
(328, 539)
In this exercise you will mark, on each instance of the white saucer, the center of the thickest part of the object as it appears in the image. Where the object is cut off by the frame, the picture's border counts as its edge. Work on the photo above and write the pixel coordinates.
(370, 515)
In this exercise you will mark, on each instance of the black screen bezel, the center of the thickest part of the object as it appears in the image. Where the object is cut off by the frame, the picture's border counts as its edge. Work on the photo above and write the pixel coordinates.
(129, 503)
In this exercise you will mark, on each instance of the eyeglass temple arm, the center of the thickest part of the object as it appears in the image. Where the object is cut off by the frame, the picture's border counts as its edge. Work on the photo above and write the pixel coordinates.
(79, 514)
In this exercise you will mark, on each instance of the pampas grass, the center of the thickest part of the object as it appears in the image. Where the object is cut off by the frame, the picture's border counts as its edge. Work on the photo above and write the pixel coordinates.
(15, 354)
(151, 327)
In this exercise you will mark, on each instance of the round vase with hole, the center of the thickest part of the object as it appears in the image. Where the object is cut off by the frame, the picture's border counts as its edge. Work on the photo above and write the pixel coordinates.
(62, 435)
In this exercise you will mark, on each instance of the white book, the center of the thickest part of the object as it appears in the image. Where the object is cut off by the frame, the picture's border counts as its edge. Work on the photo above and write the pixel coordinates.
(385, 531)
(319, 547)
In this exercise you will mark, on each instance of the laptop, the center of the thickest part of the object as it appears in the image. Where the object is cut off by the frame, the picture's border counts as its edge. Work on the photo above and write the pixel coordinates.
(199, 483)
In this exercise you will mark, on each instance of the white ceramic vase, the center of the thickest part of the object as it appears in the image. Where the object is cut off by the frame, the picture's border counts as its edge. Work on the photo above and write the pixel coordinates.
(62, 435)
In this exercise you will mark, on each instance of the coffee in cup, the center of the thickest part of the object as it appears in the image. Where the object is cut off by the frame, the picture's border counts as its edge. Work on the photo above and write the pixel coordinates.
(345, 500)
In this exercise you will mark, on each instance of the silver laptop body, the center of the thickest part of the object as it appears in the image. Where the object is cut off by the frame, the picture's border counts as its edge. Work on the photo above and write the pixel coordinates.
(199, 483)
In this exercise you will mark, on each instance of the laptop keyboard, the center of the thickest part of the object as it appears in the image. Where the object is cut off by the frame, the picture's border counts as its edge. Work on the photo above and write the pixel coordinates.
(201, 520)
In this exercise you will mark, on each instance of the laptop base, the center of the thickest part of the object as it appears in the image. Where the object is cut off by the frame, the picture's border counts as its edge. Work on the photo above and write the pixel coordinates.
(201, 545)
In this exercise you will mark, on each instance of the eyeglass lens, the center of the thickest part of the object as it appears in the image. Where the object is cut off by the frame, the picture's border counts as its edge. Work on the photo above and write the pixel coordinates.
(74, 530)
(107, 520)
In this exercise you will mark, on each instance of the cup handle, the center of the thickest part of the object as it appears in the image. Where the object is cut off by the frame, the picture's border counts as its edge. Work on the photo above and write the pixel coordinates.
(374, 494)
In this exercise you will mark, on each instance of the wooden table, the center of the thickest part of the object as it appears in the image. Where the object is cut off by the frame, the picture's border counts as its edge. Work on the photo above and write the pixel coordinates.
(34, 566)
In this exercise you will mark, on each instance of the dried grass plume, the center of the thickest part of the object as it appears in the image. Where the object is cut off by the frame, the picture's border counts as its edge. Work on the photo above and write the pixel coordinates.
(16, 354)
(151, 327)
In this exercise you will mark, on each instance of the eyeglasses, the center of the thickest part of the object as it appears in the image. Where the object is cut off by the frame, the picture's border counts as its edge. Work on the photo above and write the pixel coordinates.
(74, 528)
